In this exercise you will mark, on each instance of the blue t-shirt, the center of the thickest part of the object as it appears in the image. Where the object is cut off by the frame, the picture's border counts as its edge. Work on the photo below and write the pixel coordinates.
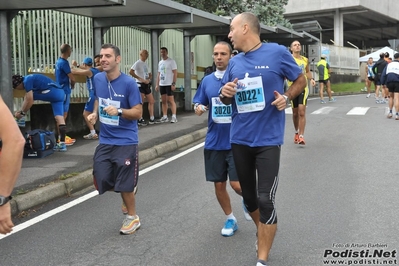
(39, 82)
(62, 69)
(125, 91)
(89, 81)
(217, 137)
(273, 63)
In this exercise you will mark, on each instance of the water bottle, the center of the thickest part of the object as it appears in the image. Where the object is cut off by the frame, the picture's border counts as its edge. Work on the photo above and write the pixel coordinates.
(21, 121)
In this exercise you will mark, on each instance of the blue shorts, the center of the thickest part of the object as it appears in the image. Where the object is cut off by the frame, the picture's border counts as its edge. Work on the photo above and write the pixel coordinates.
(115, 167)
(55, 96)
(66, 103)
(89, 106)
(218, 164)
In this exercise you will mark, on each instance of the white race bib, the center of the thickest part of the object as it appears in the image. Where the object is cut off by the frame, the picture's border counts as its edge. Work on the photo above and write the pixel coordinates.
(250, 96)
(221, 114)
(104, 117)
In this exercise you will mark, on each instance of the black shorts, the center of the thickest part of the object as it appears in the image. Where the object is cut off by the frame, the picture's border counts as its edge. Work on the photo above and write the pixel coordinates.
(393, 87)
(370, 78)
(324, 81)
(301, 98)
(218, 164)
(166, 90)
(115, 167)
(144, 88)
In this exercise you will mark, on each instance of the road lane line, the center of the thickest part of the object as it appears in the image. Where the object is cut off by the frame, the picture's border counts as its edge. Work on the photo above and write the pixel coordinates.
(79, 200)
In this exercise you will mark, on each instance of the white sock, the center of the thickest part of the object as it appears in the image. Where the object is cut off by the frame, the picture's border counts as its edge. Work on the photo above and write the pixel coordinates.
(165, 116)
(174, 116)
(296, 131)
(152, 118)
(93, 131)
(231, 216)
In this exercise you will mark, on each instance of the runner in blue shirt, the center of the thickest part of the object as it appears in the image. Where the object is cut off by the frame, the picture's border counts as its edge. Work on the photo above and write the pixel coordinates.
(218, 157)
(253, 85)
(118, 106)
(43, 88)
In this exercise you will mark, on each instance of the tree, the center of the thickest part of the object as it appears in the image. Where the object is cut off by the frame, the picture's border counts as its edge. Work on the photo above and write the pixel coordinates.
(269, 12)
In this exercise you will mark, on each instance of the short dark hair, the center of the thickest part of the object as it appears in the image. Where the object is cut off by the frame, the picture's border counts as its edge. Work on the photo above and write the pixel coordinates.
(228, 46)
(97, 56)
(382, 55)
(65, 48)
(117, 52)
(164, 48)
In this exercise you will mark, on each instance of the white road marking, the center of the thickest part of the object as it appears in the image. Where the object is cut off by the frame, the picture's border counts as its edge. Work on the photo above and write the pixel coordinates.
(77, 201)
(358, 111)
(323, 110)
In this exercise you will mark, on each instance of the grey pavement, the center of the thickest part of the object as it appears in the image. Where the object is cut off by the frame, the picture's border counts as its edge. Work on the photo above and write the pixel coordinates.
(64, 173)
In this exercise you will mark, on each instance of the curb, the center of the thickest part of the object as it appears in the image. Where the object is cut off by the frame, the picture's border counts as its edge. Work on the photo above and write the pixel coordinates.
(61, 188)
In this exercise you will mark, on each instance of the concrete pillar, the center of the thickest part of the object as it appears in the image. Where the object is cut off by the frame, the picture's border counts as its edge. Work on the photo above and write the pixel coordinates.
(6, 90)
(187, 72)
(338, 28)
(154, 63)
(98, 38)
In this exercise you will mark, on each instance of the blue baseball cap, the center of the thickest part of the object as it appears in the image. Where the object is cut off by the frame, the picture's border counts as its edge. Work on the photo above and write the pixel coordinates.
(88, 61)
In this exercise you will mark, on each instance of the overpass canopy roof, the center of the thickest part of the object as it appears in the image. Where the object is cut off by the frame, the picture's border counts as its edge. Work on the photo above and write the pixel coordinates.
(366, 23)
(151, 14)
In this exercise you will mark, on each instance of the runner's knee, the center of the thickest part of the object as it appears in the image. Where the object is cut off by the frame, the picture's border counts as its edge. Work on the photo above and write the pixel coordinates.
(266, 209)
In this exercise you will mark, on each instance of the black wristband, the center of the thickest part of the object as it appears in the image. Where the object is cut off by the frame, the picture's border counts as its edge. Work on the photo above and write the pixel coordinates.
(22, 113)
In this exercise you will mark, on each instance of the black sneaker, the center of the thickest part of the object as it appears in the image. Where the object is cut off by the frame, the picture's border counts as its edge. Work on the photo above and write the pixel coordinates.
(142, 122)
(151, 121)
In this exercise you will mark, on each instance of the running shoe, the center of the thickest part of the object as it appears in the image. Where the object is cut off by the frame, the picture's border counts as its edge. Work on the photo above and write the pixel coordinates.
(130, 225)
(396, 117)
(389, 115)
(368, 95)
(296, 138)
(322, 101)
(173, 120)
(60, 147)
(246, 213)
(163, 120)
(69, 141)
(301, 140)
(230, 226)
(332, 100)
(151, 121)
(91, 136)
(260, 264)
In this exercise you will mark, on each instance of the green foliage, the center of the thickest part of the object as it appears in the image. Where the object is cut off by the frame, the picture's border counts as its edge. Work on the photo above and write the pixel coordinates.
(269, 12)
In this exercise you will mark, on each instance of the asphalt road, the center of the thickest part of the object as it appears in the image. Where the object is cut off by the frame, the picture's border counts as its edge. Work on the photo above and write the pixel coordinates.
(338, 193)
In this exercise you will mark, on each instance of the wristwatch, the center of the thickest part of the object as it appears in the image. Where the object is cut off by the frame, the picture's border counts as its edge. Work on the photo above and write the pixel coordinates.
(4, 200)
(287, 101)
(120, 111)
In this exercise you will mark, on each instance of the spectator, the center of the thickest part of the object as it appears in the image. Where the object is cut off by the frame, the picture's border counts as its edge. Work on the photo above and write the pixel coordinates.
(166, 84)
(86, 69)
(370, 76)
(143, 78)
(40, 87)
(65, 78)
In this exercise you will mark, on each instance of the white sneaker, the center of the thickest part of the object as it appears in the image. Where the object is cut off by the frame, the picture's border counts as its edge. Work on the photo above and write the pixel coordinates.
(246, 214)
(368, 95)
(173, 120)
(164, 120)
